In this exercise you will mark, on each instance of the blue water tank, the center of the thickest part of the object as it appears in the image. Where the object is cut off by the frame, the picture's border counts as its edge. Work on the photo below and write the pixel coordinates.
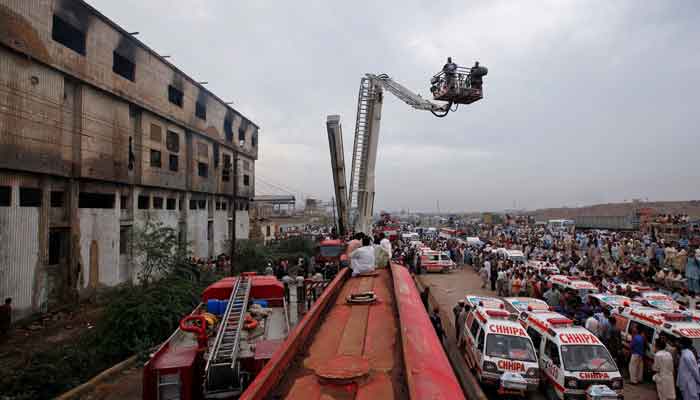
(213, 306)
(223, 304)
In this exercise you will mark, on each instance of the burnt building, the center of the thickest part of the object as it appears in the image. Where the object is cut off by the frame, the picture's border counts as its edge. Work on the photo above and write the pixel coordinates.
(99, 133)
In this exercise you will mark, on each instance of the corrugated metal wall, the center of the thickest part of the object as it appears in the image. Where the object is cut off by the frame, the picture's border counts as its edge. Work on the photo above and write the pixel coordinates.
(197, 232)
(101, 226)
(19, 254)
(220, 231)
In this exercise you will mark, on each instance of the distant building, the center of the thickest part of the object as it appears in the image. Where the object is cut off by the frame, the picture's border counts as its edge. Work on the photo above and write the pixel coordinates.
(99, 133)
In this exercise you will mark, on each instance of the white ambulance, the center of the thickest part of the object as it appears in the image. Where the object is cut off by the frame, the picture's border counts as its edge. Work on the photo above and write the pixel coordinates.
(582, 288)
(653, 323)
(484, 301)
(521, 305)
(610, 301)
(500, 351)
(571, 358)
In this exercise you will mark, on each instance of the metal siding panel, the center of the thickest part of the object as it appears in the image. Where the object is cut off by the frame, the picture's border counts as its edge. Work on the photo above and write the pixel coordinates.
(220, 231)
(101, 225)
(197, 233)
(19, 254)
(242, 225)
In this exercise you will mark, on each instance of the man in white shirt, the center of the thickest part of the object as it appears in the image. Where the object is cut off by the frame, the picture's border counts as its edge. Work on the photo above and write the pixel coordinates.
(362, 259)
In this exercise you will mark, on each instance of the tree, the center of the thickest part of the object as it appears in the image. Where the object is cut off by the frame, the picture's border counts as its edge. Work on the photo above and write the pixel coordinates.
(157, 251)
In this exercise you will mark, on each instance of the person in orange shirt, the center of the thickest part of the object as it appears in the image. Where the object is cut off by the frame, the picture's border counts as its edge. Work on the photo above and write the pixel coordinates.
(516, 286)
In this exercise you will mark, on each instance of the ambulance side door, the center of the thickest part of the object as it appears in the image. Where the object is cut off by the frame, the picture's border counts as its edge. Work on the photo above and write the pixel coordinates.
(551, 362)
(480, 344)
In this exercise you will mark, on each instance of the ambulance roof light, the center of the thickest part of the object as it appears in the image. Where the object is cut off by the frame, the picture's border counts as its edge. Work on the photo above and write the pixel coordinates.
(560, 321)
(497, 313)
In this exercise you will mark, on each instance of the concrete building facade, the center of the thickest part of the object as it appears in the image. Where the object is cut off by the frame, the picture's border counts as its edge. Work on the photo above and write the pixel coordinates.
(98, 134)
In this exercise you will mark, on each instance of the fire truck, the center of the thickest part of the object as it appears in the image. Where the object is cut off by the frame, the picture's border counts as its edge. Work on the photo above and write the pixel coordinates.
(331, 256)
(221, 346)
(571, 358)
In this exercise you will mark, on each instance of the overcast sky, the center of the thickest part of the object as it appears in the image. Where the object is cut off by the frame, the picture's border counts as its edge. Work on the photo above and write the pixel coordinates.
(585, 101)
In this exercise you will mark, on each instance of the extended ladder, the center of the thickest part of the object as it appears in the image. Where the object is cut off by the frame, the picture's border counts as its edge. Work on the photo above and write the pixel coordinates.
(221, 369)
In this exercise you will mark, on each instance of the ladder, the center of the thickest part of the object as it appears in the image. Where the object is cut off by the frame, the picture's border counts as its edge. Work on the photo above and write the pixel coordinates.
(365, 100)
(221, 367)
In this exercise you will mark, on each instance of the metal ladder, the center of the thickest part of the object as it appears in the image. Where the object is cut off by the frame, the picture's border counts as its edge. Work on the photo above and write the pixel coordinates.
(359, 150)
(221, 369)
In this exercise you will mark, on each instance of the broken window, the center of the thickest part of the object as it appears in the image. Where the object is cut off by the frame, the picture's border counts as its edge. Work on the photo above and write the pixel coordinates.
(241, 130)
(170, 204)
(172, 162)
(5, 196)
(254, 138)
(29, 197)
(193, 204)
(156, 133)
(172, 142)
(175, 95)
(155, 159)
(143, 202)
(56, 199)
(246, 180)
(158, 203)
(203, 169)
(228, 129)
(200, 110)
(123, 66)
(202, 204)
(95, 200)
(218, 205)
(58, 245)
(124, 202)
(223, 205)
(226, 172)
(124, 233)
(68, 35)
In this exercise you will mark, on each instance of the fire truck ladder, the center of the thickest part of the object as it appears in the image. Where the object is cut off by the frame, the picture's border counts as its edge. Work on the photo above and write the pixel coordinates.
(222, 369)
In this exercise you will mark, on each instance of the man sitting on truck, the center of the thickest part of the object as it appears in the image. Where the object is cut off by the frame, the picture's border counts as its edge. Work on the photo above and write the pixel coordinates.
(362, 259)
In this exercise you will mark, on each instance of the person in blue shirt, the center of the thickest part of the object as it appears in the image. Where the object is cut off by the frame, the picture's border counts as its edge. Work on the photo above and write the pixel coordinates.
(637, 347)
(692, 273)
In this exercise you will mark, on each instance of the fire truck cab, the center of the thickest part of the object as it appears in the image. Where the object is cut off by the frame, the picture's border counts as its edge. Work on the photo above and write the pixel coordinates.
(571, 358)
(500, 351)
(653, 323)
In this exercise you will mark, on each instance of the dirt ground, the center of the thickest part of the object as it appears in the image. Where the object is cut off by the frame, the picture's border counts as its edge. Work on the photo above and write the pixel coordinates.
(126, 385)
(448, 289)
(51, 330)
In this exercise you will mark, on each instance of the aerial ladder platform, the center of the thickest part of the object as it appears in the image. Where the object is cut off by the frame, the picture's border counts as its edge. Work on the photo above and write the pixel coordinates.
(222, 370)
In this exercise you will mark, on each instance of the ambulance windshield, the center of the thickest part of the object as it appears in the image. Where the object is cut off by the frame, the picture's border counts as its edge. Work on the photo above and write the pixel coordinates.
(510, 347)
(587, 358)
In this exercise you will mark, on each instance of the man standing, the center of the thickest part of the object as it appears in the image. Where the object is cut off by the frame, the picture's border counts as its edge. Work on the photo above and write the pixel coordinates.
(492, 273)
(692, 272)
(437, 323)
(614, 342)
(459, 308)
(5, 317)
(461, 320)
(688, 380)
(636, 361)
(663, 365)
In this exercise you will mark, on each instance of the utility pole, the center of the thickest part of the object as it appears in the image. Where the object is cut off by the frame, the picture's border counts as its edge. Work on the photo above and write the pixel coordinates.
(233, 216)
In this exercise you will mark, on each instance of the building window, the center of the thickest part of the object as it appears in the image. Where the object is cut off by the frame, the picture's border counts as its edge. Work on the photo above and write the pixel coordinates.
(200, 110)
(246, 180)
(158, 203)
(155, 159)
(172, 142)
(29, 197)
(56, 199)
(124, 233)
(143, 202)
(156, 133)
(124, 202)
(68, 35)
(203, 169)
(226, 172)
(193, 204)
(267, 230)
(241, 130)
(123, 66)
(218, 205)
(95, 200)
(170, 205)
(175, 95)
(5, 196)
(228, 129)
(202, 204)
(172, 162)
(254, 139)
(223, 205)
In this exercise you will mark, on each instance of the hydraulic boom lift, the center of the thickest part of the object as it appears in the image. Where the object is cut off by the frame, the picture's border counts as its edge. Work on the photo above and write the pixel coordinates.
(453, 84)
